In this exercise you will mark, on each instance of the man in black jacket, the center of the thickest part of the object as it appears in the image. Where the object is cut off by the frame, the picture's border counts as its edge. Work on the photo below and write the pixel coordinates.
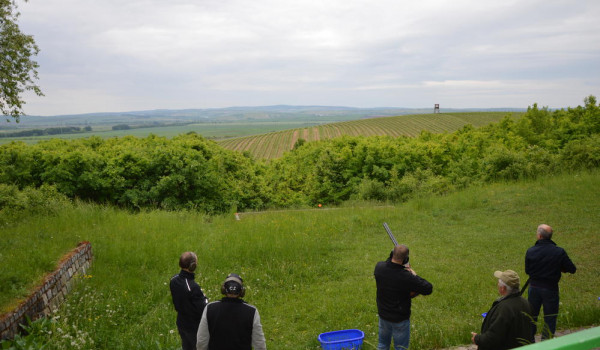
(188, 299)
(231, 323)
(508, 323)
(544, 263)
(397, 284)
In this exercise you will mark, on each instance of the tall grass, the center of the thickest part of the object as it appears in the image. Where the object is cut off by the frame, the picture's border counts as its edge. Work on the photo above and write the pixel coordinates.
(310, 271)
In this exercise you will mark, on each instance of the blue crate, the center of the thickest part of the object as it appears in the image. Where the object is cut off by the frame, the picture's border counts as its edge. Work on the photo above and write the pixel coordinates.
(348, 339)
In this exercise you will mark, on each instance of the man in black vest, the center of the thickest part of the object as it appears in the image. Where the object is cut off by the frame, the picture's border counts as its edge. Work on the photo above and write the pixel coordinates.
(231, 323)
(188, 299)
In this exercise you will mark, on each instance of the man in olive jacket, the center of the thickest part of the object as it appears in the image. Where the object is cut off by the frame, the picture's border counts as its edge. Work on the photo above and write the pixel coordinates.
(508, 323)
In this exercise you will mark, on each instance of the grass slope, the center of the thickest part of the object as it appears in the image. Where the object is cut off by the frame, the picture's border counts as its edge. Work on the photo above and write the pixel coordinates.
(273, 145)
(310, 271)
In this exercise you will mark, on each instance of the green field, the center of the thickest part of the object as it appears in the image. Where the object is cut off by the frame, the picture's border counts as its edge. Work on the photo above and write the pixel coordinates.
(273, 145)
(308, 271)
(207, 130)
(270, 139)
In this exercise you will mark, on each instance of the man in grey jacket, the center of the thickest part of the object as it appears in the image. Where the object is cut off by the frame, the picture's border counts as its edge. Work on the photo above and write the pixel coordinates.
(231, 323)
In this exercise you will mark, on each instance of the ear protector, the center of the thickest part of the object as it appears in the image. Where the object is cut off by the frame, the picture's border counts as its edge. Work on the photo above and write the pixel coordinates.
(233, 285)
(193, 264)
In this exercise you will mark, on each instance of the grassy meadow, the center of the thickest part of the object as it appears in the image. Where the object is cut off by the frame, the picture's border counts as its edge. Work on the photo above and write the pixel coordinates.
(308, 271)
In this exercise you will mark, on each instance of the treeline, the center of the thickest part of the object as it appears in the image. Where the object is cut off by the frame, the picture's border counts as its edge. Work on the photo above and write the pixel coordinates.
(47, 131)
(144, 126)
(190, 172)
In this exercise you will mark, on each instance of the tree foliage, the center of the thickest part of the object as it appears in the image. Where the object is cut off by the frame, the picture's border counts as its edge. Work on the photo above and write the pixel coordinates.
(190, 172)
(18, 70)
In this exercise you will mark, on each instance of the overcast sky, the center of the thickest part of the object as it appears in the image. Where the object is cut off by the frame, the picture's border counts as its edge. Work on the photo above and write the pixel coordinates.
(116, 55)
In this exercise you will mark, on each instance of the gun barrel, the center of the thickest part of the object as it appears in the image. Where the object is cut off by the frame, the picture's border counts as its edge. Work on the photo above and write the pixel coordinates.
(389, 232)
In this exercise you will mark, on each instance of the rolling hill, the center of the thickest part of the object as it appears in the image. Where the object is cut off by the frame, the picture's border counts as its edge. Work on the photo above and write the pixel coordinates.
(274, 144)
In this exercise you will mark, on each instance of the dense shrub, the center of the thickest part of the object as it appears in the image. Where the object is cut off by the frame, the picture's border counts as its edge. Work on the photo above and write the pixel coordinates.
(16, 204)
(190, 172)
(385, 168)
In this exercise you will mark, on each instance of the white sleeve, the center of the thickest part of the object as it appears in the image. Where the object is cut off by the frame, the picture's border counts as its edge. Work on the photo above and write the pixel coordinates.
(258, 337)
(203, 335)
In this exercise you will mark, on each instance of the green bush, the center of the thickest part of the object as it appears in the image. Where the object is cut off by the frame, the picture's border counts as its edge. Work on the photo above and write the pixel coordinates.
(190, 172)
(16, 204)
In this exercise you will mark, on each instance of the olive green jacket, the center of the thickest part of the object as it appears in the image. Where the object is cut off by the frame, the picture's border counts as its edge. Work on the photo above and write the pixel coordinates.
(507, 325)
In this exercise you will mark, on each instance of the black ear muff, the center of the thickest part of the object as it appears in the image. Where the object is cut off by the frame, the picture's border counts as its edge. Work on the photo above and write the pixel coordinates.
(194, 263)
(233, 285)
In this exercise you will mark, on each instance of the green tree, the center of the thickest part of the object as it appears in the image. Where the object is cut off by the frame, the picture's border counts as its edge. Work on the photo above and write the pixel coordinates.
(17, 68)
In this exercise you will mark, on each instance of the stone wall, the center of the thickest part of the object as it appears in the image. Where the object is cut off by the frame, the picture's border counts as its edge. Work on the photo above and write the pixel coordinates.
(51, 293)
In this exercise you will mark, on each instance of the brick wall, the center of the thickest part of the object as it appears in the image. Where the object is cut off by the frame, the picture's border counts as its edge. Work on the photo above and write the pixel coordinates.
(51, 293)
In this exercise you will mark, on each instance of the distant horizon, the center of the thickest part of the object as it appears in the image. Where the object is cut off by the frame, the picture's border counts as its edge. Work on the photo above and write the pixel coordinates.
(101, 56)
(258, 107)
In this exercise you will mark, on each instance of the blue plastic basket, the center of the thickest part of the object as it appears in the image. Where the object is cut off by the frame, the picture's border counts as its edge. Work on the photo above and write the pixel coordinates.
(348, 339)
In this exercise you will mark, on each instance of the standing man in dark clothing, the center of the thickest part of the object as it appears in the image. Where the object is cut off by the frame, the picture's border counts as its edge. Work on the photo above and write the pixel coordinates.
(231, 323)
(188, 299)
(544, 263)
(397, 284)
(508, 323)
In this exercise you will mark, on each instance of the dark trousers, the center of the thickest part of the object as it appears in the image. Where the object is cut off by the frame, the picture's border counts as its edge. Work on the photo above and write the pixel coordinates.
(549, 299)
(188, 339)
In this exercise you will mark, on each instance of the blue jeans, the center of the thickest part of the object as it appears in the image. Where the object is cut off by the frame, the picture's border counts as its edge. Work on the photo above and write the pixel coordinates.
(399, 331)
(549, 299)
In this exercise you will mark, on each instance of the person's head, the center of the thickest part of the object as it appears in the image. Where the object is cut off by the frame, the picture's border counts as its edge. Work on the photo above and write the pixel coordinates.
(233, 287)
(188, 261)
(400, 254)
(544, 232)
(508, 282)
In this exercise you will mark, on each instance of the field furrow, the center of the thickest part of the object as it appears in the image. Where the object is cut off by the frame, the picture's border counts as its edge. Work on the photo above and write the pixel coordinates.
(273, 145)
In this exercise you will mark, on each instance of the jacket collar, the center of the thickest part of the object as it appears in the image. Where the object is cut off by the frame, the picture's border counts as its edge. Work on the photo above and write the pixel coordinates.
(186, 274)
(544, 241)
(508, 296)
(394, 265)
(232, 300)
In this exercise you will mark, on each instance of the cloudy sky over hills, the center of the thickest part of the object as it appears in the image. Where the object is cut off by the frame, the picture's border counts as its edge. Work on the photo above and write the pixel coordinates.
(114, 55)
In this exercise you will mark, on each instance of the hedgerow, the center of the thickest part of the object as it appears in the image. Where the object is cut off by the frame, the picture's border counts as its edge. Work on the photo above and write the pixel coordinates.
(190, 172)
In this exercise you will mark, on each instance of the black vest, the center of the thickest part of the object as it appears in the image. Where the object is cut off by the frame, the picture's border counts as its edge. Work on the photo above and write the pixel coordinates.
(230, 323)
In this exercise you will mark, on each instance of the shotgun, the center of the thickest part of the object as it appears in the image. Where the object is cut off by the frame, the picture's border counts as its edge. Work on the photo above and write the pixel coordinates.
(389, 232)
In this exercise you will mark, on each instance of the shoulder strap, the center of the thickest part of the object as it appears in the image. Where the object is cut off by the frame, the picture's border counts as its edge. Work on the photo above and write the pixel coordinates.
(524, 287)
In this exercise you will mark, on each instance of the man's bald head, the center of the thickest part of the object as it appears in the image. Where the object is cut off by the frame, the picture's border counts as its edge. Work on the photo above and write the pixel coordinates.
(544, 232)
(400, 254)
(188, 261)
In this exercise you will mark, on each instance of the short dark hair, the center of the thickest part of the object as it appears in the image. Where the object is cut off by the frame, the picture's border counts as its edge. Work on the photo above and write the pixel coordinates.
(400, 252)
(188, 260)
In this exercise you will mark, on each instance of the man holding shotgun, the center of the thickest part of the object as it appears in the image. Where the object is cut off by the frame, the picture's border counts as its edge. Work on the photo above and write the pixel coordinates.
(396, 284)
